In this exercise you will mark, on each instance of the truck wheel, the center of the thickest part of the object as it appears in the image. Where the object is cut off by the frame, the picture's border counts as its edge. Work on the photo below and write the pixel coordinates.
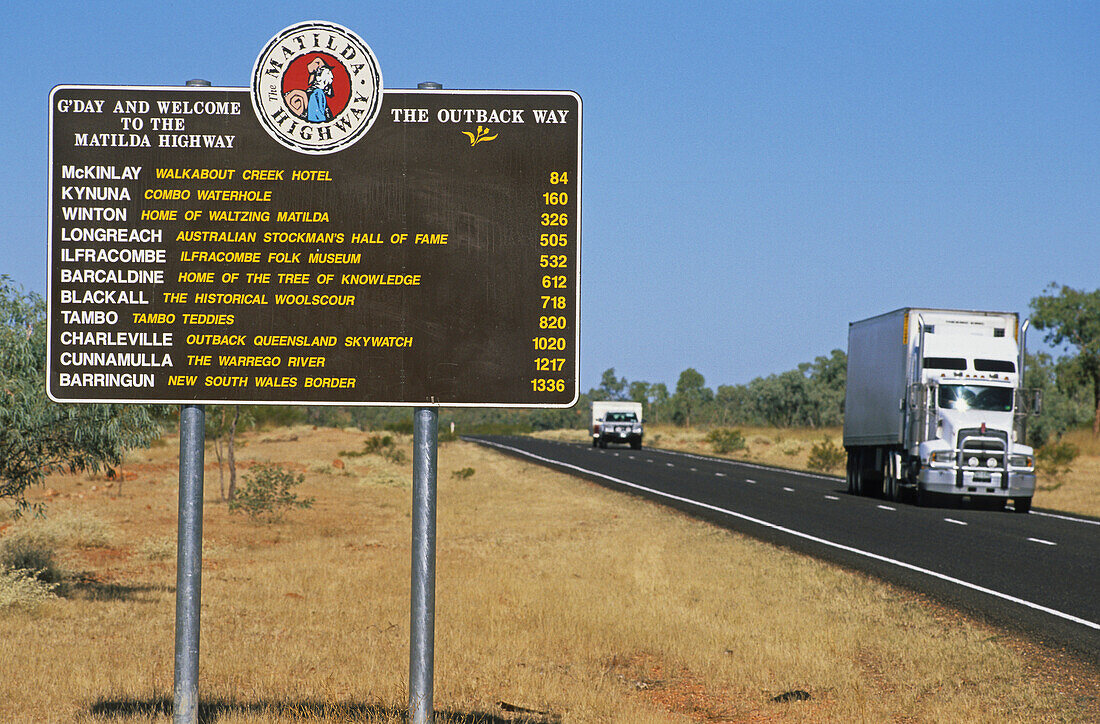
(636, 445)
(857, 473)
(603, 444)
(920, 497)
(595, 442)
(890, 487)
(1022, 505)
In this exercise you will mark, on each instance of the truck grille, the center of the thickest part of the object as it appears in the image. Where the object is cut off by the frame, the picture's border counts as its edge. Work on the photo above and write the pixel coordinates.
(973, 443)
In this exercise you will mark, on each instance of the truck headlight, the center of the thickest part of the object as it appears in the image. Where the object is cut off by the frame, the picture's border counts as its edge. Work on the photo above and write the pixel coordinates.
(1022, 461)
(942, 457)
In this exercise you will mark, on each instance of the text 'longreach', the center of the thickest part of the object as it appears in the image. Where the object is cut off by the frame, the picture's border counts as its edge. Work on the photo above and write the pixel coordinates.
(194, 257)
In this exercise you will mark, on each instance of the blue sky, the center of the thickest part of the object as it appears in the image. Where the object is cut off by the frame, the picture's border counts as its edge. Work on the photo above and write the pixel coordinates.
(756, 174)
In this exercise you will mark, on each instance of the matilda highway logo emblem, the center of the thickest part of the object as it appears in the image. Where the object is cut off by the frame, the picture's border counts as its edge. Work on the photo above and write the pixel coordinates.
(316, 87)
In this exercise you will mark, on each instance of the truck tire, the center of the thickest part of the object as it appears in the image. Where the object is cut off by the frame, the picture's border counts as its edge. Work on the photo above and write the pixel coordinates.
(856, 484)
(595, 442)
(870, 478)
(1022, 505)
(636, 445)
(889, 483)
(920, 497)
(849, 473)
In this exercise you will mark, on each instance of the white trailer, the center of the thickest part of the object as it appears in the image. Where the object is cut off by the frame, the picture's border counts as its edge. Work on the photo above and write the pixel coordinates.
(934, 405)
(616, 421)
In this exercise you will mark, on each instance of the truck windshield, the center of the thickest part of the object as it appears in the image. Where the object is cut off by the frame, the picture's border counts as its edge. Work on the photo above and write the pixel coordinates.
(975, 397)
(621, 417)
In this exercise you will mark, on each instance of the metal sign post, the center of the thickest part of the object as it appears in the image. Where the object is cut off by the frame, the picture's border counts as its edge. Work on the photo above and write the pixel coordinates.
(422, 591)
(185, 688)
(422, 600)
(185, 697)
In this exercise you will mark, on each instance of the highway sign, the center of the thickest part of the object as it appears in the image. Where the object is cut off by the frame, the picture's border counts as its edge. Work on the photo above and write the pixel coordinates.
(194, 259)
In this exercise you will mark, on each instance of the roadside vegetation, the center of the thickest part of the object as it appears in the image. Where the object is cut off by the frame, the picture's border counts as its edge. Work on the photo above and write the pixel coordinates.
(557, 601)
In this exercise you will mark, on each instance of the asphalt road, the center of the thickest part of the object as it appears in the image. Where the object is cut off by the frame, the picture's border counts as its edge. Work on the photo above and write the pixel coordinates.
(1037, 573)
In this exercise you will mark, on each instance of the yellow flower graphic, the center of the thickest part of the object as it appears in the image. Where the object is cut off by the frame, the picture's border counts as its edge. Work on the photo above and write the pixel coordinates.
(481, 135)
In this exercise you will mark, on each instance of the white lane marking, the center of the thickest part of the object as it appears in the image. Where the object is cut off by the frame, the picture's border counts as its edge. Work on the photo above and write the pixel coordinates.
(834, 478)
(1064, 517)
(807, 536)
(695, 470)
(837, 477)
(956, 522)
(885, 507)
(648, 460)
(1044, 542)
(669, 465)
(831, 497)
(630, 456)
(720, 475)
(750, 481)
(802, 473)
(789, 490)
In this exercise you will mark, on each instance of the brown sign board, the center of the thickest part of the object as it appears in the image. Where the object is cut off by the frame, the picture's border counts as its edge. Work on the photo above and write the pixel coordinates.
(192, 259)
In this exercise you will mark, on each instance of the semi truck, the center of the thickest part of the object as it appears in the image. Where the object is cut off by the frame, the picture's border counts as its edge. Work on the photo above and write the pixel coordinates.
(935, 406)
(616, 421)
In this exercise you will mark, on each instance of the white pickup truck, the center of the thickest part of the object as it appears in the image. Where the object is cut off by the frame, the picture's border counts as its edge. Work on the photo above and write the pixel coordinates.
(616, 421)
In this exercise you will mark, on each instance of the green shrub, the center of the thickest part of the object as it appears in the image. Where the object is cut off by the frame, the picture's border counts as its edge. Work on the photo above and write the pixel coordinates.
(1054, 459)
(266, 494)
(825, 456)
(23, 588)
(382, 445)
(402, 426)
(463, 473)
(28, 548)
(725, 440)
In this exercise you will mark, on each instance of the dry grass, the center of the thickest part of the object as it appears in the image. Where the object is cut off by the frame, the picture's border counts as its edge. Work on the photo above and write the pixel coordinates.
(554, 596)
(1077, 491)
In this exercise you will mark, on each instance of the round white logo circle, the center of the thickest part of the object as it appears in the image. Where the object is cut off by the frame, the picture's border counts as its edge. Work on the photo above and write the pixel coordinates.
(316, 87)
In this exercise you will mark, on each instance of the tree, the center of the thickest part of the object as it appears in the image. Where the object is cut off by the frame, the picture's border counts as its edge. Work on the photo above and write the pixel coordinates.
(38, 436)
(222, 423)
(639, 392)
(1066, 403)
(734, 404)
(782, 400)
(659, 394)
(825, 391)
(1072, 318)
(611, 387)
(691, 394)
